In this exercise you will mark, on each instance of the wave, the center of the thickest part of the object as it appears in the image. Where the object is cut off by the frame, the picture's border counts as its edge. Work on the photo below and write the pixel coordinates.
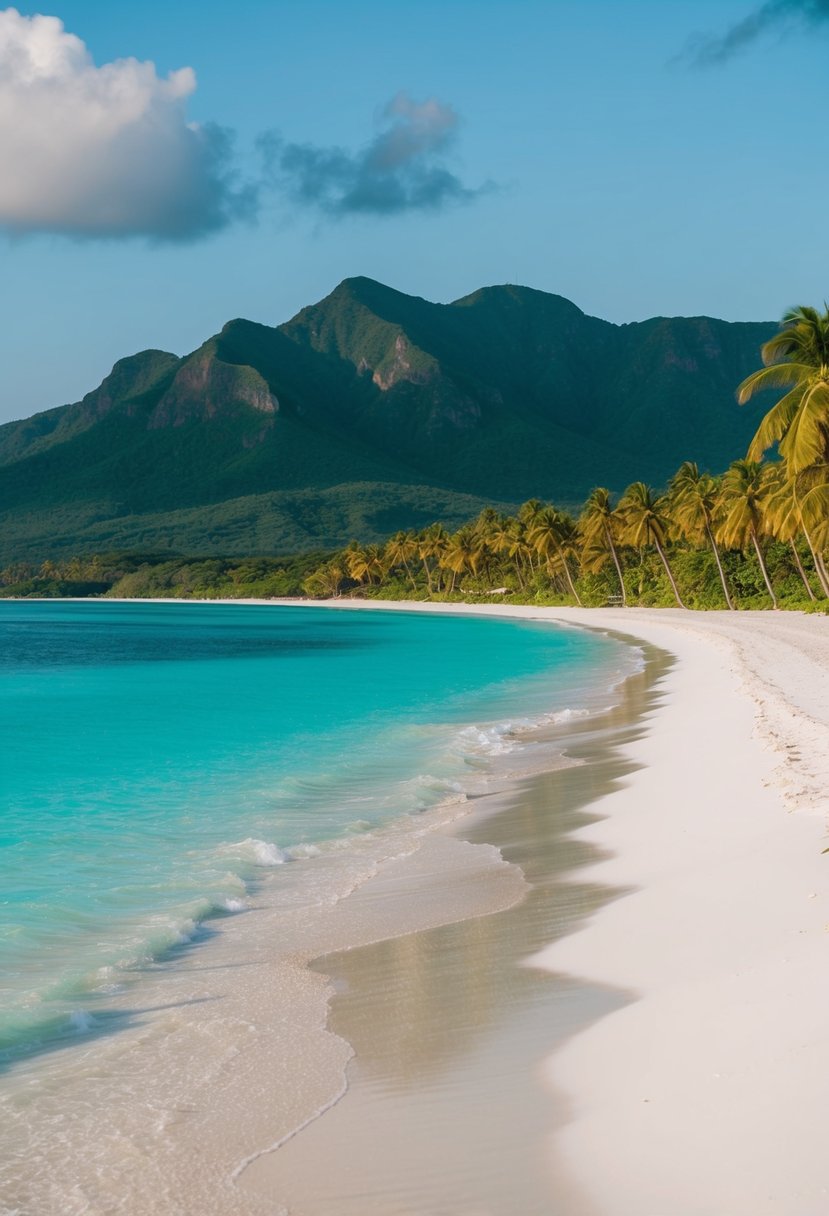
(253, 852)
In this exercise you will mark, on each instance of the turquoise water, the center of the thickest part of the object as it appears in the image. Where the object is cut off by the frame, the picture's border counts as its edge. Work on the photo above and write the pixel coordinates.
(159, 759)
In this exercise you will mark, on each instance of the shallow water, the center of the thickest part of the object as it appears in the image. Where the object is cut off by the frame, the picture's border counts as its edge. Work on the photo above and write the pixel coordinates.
(160, 1077)
(158, 759)
(447, 1112)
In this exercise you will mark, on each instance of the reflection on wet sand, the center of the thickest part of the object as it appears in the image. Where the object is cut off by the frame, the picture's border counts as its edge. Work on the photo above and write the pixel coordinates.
(445, 1111)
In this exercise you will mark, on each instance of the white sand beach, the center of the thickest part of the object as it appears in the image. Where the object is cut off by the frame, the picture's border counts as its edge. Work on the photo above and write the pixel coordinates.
(706, 1094)
(665, 1055)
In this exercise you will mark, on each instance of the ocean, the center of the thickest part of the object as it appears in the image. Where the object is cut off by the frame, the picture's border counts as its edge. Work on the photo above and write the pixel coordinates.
(162, 761)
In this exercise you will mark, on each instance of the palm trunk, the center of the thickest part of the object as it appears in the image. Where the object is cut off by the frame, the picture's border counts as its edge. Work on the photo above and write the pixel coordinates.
(719, 566)
(428, 574)
(669, 573)
(759, 553)
(820, 568)
(569, 578)
(800, 569)
(617, 564)
(822, 572)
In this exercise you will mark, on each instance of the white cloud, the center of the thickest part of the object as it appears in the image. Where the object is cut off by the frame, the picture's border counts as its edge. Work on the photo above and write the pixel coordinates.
(104, 151)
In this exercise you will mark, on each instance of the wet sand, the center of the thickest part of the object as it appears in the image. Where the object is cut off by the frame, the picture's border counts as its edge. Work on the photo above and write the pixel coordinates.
(446, 1109)
(615, 1006)
(702, 1091)
(210, 1094)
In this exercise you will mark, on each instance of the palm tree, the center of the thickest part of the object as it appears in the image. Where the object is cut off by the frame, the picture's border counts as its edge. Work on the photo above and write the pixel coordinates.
(463, 553)
(357, 563)
(510, 537)
(364, 561)
(783, 518)
(400, 548)
(645, 522)
(811, 492)
(814, 510)
(552, 537)
(694, 498)
(488, 526)
(325, 582)
(431, 544)
(797, 359)
(746, 491)
(529, 514)
(599, 524)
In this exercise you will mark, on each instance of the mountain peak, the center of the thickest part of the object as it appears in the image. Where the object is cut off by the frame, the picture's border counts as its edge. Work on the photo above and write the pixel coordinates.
(370, 293)
(505, 394)
(514, 295)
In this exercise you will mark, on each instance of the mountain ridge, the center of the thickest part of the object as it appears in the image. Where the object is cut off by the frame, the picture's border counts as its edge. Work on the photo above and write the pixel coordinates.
(504, 394)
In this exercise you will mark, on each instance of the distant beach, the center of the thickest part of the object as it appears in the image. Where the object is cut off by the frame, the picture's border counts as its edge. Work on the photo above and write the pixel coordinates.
(598, 989)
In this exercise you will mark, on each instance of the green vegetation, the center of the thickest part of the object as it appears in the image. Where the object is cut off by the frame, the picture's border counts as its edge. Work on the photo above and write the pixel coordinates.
(757, 535)
(369, 413)
(660, 559)
(478, 384)
(154, 576)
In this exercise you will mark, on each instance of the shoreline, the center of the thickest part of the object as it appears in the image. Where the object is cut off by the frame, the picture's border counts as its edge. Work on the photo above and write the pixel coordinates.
(449, 1030)
(701, 1092)
(705, 1094)
(187, 1027)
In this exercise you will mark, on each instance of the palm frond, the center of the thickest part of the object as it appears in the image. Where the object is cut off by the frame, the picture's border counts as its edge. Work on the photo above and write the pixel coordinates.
(779, 375)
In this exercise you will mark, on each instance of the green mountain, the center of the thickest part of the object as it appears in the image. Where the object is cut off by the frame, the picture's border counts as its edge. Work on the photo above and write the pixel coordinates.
(368, 412)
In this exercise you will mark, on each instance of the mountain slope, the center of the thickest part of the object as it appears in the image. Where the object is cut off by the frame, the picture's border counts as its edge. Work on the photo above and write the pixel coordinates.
(379, 408)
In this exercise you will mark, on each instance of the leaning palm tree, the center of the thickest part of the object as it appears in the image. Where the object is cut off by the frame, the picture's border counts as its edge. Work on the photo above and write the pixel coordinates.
(783, 518)
(693, 499)
(552, 536)
(400, 549)
(811, 492)
(430, 545)
(796, 359)
(510, 537)
(362, 562)
(814, 507)
(463, 554)
(357, 563)
(746, 492)
(599, 525)
(529, 513)
(645, 522)
(487, 527)
(325, 582)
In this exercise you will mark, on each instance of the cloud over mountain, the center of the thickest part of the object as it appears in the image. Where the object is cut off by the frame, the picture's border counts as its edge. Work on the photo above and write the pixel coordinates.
(402, 169)
(104, 151)
(781, 15)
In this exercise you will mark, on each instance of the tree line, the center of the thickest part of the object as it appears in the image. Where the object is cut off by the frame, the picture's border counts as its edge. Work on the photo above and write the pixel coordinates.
(758, 533)
(754, 536)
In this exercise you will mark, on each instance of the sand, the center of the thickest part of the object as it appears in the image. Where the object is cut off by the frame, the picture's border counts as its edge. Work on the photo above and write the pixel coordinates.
(706, 1094)
(620, 1009)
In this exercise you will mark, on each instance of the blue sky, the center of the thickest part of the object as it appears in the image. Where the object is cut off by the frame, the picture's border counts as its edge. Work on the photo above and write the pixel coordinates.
(577, 146)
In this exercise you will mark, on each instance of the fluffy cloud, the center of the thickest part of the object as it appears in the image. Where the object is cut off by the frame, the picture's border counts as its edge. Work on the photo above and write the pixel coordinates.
(402, 169)
(104, 151)
(779, 15)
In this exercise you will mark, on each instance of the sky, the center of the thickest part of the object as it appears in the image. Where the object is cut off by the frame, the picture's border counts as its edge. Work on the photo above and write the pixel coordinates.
(167, 167)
